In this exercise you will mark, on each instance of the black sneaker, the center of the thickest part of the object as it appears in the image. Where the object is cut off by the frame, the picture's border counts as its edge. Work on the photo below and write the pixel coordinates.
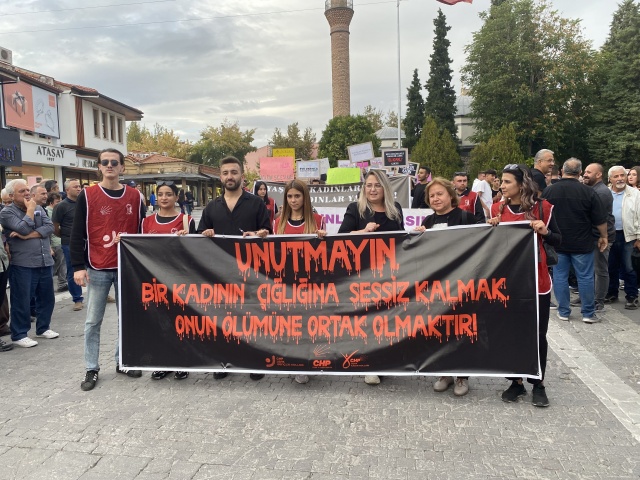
(159, 375)
(515, 391)
(129, 373)
(219, 375)
(256, 376)
(553, 306)
(632, 303)
(539, 396)
(90, 380)
(5, 347)
(181, 375)
(610, 298)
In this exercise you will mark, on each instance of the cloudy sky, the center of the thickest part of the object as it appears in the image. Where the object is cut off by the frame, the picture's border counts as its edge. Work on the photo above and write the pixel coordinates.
(188, 64)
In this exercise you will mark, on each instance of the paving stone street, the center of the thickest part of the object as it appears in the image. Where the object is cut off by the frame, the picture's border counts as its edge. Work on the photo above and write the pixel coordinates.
(331, 428)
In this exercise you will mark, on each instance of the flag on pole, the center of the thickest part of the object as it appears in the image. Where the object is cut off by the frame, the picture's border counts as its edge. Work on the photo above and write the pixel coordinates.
(453, 2)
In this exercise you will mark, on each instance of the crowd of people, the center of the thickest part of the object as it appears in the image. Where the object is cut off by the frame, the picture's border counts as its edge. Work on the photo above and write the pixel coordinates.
(594, 229)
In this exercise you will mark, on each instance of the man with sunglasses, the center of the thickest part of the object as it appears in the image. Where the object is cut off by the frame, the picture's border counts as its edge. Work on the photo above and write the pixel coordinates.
(103, 212)
(467, 200)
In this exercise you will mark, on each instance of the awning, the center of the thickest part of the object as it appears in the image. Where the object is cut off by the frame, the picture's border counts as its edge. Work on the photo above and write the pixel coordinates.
(178, 177)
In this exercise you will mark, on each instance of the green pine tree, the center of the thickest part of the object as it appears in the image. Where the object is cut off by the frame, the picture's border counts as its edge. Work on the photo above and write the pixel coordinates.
(414, 118)
(615, 135)
(438, 150)
(441, 97)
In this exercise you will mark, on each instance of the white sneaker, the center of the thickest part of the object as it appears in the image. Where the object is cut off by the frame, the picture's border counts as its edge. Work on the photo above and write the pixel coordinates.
(562, 317)
(594, 319)
(49, 334)
(372, 379)
(25, 342)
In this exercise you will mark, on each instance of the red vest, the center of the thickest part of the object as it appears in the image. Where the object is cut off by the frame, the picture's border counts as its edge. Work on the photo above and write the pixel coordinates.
(468, 202)
(544, 279)
(151, 224)
(298, 229)
(106, 217)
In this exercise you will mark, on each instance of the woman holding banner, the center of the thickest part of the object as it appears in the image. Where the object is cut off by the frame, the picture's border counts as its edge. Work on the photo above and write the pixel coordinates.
(296, 218)
(261, 191)
(375, 211)
(167, 220)
(441, 197)
(520, 202)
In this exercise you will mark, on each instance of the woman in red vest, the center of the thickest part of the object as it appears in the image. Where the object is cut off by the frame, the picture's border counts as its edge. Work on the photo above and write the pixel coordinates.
(520, 202)
(261, 191)
(297, 217)
(168, 221)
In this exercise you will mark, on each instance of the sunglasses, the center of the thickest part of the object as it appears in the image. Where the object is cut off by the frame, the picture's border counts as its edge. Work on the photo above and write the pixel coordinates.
(105, 163)
(168, 183)
(512, 166)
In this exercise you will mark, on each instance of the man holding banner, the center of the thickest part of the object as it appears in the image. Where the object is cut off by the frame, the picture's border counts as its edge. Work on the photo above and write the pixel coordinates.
(236, 212)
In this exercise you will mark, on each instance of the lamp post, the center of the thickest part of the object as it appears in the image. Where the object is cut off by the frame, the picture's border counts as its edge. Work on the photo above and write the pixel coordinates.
(399, 80)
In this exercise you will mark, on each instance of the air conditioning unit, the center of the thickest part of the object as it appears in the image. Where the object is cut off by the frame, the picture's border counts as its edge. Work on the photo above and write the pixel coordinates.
(6, 56)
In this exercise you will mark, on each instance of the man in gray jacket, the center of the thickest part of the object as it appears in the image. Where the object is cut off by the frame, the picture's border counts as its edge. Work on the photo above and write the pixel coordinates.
(27, 229)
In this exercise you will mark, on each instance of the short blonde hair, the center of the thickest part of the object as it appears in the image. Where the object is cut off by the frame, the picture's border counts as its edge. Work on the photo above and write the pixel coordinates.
(448, 185)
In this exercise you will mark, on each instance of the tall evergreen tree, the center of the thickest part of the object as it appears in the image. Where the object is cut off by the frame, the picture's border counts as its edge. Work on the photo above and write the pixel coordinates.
(441, 97)
(438, 150)
(530, 67)
(615, 135)
(414, 118)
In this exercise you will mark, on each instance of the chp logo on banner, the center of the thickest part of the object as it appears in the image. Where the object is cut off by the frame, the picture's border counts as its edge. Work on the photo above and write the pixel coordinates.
(457, 301)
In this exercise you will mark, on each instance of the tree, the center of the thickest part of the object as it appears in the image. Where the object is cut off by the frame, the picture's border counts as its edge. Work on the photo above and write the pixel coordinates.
(615, 134)
(529, 67)
(414, 118)
(438, 150)
(342, 132)
(304, 144)
(217, 143)
(500, 150)
(441, 97)
(378, 118)
(161, 140)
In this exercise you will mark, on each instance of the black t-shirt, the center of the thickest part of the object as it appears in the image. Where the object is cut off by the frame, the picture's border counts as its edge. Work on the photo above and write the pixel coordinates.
(249, 215)
(539, 179)
(577, 209)
(454, 218)
(63, 214)
(352, 220)
(418, 196)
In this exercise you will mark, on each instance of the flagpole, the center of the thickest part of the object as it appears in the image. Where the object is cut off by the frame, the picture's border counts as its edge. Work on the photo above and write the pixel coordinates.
(399, 81)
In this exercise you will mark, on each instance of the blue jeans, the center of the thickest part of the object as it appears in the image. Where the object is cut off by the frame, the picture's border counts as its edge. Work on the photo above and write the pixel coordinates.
(98, 287)
(74, 289)
(25, 282)
(583, 265)
(620, 267)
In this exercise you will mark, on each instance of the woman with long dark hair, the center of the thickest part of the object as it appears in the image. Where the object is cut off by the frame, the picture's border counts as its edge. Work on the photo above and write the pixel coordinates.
(375, 211)
(297, 217)
(168, 220)
(633, 177)
(520, 202)
(263, 193)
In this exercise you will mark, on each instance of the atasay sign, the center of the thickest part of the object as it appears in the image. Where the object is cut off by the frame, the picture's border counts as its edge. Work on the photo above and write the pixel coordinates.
(51, 153)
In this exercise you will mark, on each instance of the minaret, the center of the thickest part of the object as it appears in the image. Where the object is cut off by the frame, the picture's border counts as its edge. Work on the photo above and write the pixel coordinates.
(339, 14)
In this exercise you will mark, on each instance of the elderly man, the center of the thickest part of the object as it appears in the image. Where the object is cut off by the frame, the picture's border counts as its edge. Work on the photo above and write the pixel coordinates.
(27, 229)
(543, 164)
(578, 210)
(626, 210)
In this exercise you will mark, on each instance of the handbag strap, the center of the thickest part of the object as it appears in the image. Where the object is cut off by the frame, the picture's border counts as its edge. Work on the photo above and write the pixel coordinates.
(185, 222)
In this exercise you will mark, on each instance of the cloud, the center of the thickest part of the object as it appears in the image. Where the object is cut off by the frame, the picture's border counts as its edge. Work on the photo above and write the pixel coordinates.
(263, 63)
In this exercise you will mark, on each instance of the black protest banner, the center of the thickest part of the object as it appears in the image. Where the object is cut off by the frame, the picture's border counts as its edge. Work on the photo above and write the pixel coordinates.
(458, 301)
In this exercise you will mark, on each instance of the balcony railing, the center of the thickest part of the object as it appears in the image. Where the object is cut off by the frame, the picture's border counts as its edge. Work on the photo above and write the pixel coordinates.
(329, 4)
